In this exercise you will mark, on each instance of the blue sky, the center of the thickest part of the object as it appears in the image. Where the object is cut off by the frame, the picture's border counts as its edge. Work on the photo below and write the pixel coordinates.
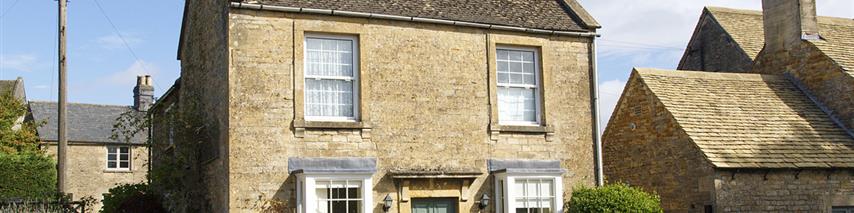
(102, 69)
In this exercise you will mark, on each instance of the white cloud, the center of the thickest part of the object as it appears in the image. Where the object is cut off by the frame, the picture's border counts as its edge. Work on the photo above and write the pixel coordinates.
(113, 41)
(22, 62)
(128, 76)
(609, 95)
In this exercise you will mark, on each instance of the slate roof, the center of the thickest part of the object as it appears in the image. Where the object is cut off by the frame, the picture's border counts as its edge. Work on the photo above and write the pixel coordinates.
(741, 120)
(86, 122)
(746, 29)
(538, 14)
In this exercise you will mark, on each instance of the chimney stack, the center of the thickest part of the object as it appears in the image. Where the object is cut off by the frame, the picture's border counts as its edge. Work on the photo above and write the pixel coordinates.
(143, 93)
(788, 22)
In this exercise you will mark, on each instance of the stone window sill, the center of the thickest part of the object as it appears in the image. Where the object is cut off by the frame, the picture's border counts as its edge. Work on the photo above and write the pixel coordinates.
(496, 130)
(300, 126)
(117, 171)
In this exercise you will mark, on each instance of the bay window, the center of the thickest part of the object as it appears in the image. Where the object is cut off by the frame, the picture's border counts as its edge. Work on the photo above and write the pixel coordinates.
(518, 82)
(331, 78)
(333, 185)
(527, 186)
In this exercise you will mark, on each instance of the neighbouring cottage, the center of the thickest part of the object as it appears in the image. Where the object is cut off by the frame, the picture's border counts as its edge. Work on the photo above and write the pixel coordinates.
(372, 106)
(766, 127)
(96, 160)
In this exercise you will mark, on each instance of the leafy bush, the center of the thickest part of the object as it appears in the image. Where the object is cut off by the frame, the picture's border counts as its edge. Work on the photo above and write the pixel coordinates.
(131, 198)
(27, 176)
(613, 198)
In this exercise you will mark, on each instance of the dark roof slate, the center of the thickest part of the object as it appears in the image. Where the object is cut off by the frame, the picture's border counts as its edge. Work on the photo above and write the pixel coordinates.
(538, 14)
(86, 122)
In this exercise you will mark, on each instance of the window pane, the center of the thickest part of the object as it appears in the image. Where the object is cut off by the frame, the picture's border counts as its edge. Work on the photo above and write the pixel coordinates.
(124, 150)
(502, 54)
(111, 157)
(329, 57)
(354, 206)
(329, 98)
(528, 56)
(123, 157)
(516, 104)
(546, 188)
(124, 164)
(111, 165)
(111, 149)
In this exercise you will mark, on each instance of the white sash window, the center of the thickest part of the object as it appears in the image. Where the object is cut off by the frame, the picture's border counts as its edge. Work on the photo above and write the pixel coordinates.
(518, 86)
(331, 77)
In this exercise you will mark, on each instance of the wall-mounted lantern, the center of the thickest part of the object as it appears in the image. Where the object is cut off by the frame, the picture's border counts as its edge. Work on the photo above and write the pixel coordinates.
(484, 201)
(387, 202)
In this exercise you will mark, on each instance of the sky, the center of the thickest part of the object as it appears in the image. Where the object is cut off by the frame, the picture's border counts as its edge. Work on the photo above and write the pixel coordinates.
(110, 42)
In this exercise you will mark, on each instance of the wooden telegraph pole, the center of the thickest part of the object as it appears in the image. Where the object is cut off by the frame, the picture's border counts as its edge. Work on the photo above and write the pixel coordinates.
(62, 158)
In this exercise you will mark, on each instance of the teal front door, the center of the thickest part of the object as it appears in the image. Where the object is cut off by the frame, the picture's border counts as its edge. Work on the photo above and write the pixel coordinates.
(434, 205)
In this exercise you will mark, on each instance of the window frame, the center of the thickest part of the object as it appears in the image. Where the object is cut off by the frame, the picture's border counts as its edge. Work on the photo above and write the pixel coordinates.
(307, 198)
(118, 160)
(537, 89)
(506, 195)
(355, 79)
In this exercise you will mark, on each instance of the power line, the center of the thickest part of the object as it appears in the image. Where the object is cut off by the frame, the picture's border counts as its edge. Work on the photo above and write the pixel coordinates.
(635, 44)
(124, 41)
(9, 9)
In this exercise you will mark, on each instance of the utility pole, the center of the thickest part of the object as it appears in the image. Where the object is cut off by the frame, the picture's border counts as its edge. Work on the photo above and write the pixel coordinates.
(62, 158)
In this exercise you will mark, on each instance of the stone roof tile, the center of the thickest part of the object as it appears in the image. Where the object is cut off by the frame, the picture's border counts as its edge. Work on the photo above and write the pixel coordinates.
(538, 14)
(743, 120)
(746, 29)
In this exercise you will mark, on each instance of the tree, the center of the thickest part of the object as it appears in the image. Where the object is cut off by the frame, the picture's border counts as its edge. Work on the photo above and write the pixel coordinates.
(16, 136)
(25, 170)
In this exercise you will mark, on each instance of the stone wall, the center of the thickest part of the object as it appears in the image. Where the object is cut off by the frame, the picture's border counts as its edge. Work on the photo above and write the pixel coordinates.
(204, 94)
(828, 82)
(644, 146)
(425, 105)
(712, 49)
(783, 191)
(87, 174)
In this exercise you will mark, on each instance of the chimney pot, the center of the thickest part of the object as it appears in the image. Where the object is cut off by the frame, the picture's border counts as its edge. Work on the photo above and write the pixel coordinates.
(143, 93)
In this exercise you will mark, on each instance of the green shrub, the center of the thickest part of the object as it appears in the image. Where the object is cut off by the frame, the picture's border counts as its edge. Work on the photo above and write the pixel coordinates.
(131, 198)
(613, 198)
(27, 175)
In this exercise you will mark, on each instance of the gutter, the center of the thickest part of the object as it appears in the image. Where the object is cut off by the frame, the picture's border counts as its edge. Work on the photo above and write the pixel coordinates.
(597, 139)
(342, 13)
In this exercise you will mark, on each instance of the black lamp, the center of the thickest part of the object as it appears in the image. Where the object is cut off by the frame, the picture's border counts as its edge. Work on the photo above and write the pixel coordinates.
(387, 202)
(484, 201)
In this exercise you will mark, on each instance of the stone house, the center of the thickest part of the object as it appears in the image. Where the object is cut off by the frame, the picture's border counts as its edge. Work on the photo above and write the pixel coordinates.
(765, 127)
(432, 105)
(97, 161)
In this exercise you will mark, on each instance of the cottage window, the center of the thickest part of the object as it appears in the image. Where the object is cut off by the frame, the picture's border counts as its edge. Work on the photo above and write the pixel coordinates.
(118, 158)
(518, 86)
(528, 194)
(334, 194)
(331, 79)
(841, 209)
